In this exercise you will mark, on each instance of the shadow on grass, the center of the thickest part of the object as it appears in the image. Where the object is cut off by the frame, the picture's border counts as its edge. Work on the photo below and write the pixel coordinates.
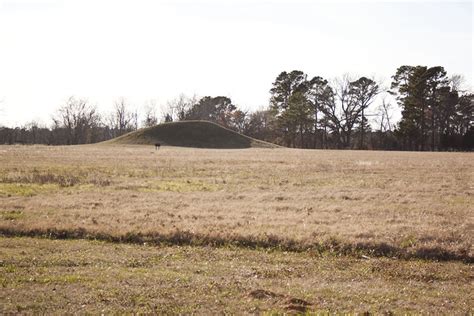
(329, 246)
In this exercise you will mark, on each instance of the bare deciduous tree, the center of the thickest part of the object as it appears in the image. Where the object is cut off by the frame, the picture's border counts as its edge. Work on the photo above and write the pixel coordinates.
(122, 120)
(178, 108)
(1, 110)
(457, 82)
(78, 119)
(384, 116)
(346, 111)
(151, 118)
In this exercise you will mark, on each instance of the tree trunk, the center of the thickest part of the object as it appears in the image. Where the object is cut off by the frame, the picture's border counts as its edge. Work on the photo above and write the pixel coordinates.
(315, 126)
(362, 132)
(423, 126)
(432, 130)
(301, 136)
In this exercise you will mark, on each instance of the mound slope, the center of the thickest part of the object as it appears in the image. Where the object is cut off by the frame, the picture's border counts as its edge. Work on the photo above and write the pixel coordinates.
(199, 134)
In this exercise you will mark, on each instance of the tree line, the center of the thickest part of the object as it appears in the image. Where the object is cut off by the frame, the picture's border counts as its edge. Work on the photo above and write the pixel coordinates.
(303, 112)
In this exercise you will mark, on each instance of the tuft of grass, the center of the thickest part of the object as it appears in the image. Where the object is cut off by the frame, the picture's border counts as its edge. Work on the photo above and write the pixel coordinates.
(26, 182)
(41, 177)
(409, 241)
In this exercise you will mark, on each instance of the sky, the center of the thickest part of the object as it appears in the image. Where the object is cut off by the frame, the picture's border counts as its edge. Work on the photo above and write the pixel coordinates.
(152, 51)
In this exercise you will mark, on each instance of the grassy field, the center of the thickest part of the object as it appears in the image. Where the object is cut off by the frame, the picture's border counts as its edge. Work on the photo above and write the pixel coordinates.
(249, 230)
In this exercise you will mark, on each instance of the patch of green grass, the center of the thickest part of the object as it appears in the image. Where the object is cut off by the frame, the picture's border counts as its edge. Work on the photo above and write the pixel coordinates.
(9, 268)
(27, 189)
(11, 215)
(459, 200)
(180, 186)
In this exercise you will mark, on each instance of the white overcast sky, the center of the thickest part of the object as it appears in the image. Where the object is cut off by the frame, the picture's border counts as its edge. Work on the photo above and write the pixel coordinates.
(155, 50)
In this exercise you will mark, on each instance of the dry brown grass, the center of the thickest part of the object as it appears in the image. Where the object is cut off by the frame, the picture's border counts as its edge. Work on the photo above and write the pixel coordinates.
(346, 218)
(40, 276)
(381, 203)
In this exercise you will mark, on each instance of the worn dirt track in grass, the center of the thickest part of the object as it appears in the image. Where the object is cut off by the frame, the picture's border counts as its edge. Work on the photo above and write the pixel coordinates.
(383, 203)
(74, 276)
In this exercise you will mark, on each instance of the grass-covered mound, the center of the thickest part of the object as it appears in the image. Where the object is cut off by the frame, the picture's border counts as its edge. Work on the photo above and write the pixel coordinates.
(200, 134)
